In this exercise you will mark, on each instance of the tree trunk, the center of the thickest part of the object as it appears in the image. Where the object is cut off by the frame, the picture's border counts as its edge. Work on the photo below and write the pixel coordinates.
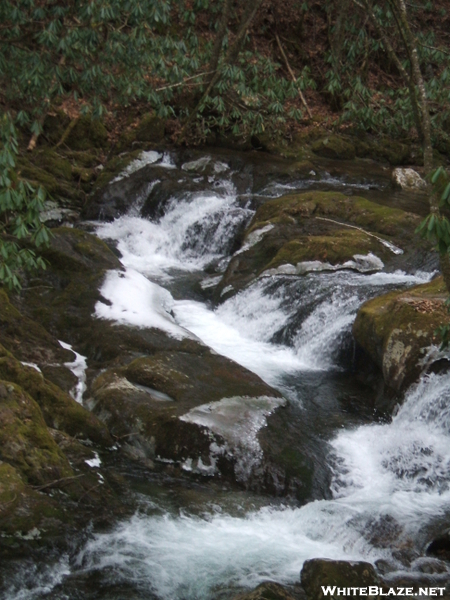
(230, 57)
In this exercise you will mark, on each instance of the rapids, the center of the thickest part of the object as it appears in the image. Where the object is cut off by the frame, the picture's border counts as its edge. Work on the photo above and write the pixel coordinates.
(389, 480)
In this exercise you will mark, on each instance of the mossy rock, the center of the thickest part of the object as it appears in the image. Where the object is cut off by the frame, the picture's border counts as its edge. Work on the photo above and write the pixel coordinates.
(60, 410)
(396, 330)
(54, 163)
(25, 442)
(114, 167)
(84, 158)
(27, 339)
(267, 591)
(56, 180)
(334, 146)
(336, 248)
(87, 133)
(150, 129)
(312, 226)
(25, 514)
(143, 402)
(384, 149)
(351, 209)
(320, 572)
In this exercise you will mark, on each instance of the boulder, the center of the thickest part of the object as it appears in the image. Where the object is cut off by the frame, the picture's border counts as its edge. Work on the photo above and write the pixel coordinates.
(59, 409)
(408, 180)
(314, 231)
(267, 591)
(196, 409)
(397, 329)
(320, 572)
(334, 146)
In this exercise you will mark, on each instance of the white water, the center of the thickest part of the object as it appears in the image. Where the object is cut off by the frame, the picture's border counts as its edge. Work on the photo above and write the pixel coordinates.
(399, 470)
(396, 473)
(78, 368)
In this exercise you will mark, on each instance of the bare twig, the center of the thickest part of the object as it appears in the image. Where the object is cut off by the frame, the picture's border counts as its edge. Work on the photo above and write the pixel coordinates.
(94, 487)
(294, 78)
(53, 483)
(174, 85)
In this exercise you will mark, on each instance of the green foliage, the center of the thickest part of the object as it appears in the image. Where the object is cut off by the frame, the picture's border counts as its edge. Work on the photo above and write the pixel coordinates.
(20, 208)
(436, 227)
(97, 51)
(382, 103)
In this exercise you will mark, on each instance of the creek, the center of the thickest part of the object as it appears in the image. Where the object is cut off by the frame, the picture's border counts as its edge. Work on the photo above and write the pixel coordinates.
(385, 481)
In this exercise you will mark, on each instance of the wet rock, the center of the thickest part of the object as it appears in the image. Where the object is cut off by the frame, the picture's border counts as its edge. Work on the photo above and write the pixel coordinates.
(25, 442)
(267, 591)
(200, 410)
(289, 234)
(398, 328)
(440, 546)
(320, 572)
(60, 410)
(408, 179)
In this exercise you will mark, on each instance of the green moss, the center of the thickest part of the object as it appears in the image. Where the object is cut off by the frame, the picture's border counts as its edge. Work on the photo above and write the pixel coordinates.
(86, 134)
(54, 163)
(114, 167)
(60, 410)
(356, 210)
(150, 129)
(396, 329)
(334, 146)
(335, 249)
(25, 441)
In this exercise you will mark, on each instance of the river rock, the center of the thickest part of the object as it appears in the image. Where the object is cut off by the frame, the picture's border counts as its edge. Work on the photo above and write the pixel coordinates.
(197, 410)
(59, 409)
(32, 464)
(397, 329)
(267, 591)
(408, 179)
(313, 231)
(320, 572)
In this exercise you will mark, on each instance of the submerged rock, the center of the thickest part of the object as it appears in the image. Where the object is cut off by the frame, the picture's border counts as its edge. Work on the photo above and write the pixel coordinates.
(397, 330)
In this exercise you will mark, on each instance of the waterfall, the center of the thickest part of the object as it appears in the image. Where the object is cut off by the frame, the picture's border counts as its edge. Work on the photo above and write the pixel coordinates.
(390, 481)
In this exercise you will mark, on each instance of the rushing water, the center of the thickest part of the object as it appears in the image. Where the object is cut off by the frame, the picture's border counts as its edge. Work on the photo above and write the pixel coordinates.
(390, 482)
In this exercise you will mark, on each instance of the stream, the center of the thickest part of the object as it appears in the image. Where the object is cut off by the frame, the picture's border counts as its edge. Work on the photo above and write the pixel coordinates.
(387, 483)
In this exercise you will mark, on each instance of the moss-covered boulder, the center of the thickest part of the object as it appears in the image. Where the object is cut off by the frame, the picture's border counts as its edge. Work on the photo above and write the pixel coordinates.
(25, 442)
(60, 410)
(87, 133)
(398, 328)
(179, 407)
(320, 572)
(329, 227)
(334, 146)
(27, 339)
(36, 462)
(25, 513)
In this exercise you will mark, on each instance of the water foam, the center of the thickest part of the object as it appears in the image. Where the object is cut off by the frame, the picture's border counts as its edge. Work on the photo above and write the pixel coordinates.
(192, 233)
(136, 301)
(396, 473)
